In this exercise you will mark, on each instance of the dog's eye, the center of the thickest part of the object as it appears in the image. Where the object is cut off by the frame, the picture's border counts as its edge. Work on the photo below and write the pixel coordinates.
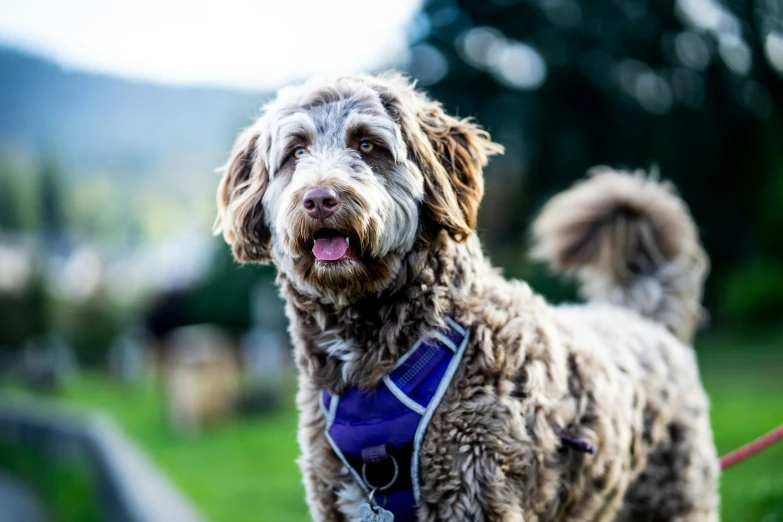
(366, 146)
(299, 152)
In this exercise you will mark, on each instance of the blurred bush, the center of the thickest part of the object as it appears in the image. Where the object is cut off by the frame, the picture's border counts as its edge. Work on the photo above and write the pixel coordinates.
(754, 295)
(222, 297)
(24, 314)
(91, 326)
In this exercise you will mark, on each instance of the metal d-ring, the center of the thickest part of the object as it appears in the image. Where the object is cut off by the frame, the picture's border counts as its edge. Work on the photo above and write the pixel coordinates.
(391, 482)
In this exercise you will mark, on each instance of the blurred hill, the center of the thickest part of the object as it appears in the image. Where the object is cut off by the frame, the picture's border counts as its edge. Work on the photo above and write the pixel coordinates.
(134, 132)
(106, 185)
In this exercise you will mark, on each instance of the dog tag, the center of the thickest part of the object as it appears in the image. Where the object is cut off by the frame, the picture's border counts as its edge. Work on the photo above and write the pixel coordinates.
(368, 513)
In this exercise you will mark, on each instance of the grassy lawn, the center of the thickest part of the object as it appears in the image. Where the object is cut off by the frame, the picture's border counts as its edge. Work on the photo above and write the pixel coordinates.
(240, 472)
(245, 471)
(744, 377)
(65, 490)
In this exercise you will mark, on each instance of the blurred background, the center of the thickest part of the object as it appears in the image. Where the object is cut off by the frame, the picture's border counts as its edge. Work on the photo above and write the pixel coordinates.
(115, 297)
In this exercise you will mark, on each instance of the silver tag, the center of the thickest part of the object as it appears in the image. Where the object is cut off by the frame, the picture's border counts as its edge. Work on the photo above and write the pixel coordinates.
(367, 513)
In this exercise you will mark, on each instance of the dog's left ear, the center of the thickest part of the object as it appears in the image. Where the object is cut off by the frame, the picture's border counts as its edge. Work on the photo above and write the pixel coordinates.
(450, 152)
(453, 168)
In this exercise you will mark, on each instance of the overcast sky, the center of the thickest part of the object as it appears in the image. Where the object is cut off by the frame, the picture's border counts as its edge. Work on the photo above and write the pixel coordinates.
(245, 44)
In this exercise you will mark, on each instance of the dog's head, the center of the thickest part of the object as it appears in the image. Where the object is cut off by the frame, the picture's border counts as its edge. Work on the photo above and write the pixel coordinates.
(338, 179)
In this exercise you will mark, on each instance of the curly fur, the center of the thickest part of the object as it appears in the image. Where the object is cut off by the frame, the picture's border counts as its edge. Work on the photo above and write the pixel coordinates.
(615, 371)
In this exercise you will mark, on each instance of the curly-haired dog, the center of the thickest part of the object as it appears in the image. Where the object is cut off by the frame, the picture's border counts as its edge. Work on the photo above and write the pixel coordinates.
(364, 193)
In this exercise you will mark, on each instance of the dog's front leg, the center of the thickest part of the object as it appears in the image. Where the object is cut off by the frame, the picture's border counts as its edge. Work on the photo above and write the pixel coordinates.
(465, 484)
(321, 469)
(472, 462)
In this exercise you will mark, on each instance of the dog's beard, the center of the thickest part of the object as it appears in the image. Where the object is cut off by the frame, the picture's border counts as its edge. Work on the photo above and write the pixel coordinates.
(350, 277)
(369, 265)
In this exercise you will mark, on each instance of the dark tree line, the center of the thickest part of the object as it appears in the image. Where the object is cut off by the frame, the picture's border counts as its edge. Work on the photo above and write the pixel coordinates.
(689, 86)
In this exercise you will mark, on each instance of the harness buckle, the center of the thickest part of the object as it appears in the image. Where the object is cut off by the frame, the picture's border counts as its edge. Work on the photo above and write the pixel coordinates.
(375, 454)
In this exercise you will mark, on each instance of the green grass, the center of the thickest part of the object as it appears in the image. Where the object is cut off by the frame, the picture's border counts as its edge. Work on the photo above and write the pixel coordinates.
(744, 378)
(240, 472)
(245, 471)
(65, 489)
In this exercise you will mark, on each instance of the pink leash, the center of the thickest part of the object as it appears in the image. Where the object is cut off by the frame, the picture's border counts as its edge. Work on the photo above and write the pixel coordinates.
(750, 449)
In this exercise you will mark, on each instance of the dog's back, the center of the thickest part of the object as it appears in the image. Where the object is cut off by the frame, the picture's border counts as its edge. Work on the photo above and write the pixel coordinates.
(634, 246)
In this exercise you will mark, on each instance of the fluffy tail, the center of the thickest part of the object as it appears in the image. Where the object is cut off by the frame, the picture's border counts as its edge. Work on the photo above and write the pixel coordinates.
(632, 242)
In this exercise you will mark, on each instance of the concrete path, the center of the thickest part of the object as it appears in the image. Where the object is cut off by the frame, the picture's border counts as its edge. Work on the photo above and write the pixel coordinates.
(18, 503)
(129, 487)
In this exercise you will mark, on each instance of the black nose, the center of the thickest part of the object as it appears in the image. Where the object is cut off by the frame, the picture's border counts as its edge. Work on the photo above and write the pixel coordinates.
(321, 202)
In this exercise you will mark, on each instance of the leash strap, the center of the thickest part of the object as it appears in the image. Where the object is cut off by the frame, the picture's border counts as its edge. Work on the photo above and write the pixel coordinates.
(750, 449)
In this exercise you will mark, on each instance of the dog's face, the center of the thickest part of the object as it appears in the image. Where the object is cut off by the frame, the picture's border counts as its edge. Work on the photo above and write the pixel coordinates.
(337, 179)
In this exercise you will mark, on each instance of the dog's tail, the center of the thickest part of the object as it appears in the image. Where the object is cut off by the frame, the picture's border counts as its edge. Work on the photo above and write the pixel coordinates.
(632, 242)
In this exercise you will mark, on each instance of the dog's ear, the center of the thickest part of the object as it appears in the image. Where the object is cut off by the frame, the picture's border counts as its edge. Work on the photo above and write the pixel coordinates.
(453, 168)
(240, 214)
(450, 152)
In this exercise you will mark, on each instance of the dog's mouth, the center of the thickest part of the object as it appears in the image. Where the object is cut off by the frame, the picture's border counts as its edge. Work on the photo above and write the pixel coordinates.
(330, 246)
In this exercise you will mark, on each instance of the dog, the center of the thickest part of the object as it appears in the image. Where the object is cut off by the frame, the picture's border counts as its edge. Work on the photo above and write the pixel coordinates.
(364, 193)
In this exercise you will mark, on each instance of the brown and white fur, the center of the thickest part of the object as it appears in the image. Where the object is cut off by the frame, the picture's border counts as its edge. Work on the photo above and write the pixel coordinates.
(617, 371)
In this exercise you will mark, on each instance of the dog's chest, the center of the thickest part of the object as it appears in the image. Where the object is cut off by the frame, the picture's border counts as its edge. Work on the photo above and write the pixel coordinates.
(378, 434)
(335, 346)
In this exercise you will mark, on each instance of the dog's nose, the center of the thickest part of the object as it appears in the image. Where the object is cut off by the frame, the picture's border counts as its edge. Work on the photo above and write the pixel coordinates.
(321, 202)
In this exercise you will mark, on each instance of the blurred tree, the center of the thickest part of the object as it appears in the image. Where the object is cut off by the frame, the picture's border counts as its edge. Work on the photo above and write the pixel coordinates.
(50, 192)
(753, 295)
(91, 326)
(19, 201)
(9, 218)
(693, 86)
(24, 314)
(222, 298)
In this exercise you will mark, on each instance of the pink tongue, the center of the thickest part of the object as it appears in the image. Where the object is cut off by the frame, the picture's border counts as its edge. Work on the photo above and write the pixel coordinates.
(330, 248)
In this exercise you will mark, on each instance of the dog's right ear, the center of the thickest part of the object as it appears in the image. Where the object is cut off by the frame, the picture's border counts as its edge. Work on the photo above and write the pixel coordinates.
(240, 214)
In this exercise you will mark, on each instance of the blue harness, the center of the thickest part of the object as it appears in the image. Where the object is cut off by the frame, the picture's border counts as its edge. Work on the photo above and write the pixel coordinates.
(378, 433)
